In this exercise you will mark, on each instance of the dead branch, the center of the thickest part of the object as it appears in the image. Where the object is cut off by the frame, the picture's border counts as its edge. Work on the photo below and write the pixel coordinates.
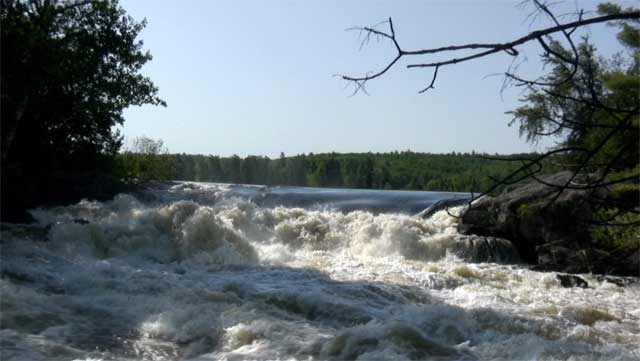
(491, 48)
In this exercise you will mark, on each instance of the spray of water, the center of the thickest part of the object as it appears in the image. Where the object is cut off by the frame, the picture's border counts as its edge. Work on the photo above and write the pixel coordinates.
(199, 273)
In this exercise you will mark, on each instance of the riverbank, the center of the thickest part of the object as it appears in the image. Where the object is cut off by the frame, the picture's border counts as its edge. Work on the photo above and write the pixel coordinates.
(555, 232)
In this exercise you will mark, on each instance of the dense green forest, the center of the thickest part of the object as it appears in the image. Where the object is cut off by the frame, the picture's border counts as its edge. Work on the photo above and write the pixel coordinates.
(460, 172)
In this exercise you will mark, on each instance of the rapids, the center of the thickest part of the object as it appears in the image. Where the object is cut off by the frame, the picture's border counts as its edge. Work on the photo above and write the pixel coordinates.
(201, 271)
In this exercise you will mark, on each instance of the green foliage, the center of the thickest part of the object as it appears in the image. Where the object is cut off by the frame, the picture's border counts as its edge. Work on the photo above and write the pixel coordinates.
(620, 231)
(629, 34)
(588, 106)
(592, 108)
(146, 159)
(526, 211)
(397, 170)
(68, 71)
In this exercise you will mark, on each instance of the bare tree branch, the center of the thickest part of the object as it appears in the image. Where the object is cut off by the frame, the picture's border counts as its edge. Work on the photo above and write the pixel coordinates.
(492, 48)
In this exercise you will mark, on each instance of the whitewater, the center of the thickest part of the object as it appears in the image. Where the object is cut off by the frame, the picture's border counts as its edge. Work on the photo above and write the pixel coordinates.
(203, 271)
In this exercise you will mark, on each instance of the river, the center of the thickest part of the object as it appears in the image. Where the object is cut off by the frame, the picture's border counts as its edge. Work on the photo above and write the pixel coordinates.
(203, 271)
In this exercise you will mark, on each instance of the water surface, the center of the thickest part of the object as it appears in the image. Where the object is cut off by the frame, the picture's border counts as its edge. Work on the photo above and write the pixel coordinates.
(203, 271)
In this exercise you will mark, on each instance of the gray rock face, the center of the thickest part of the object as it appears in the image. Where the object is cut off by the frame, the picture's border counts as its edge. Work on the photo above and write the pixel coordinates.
(485, 249)
(526, 216)
(547, 231)
(570, 257)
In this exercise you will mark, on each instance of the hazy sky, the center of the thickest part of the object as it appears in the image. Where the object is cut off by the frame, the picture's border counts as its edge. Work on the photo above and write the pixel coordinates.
(256, 77)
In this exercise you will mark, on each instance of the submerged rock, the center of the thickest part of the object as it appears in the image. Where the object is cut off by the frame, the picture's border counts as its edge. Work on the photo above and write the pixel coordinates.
(569, 281)
(485, 249)
(618, 281)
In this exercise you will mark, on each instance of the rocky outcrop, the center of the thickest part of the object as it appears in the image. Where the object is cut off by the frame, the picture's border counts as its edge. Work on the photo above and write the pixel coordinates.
(571, 257)
(525, 216)
(485, 249)
(547, 231)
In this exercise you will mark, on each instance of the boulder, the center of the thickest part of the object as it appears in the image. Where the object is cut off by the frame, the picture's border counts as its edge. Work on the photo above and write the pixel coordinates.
(550, 230)
(529, 216)
(485, 249)
(565, 256)
(618, 281)
(569, 281)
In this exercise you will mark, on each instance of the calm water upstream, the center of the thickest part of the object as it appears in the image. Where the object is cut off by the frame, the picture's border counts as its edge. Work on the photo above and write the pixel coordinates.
(202, 271)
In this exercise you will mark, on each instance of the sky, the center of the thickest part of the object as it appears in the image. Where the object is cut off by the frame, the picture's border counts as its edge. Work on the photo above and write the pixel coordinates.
(257, 77)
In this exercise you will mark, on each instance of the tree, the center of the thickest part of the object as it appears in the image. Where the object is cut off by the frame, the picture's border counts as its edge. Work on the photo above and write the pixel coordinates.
(591, 104)
(69, 69)
(146, 159)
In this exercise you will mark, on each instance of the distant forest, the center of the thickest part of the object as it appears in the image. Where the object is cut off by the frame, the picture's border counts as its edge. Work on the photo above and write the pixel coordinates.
(456, 172)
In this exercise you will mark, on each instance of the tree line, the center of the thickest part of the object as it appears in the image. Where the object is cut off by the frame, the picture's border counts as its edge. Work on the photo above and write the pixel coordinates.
(456, 172)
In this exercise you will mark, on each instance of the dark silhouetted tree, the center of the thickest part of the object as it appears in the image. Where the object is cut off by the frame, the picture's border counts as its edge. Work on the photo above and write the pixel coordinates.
(69, 69)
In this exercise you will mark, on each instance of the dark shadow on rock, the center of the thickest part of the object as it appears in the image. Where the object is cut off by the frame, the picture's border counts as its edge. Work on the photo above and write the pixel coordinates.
(552, 233)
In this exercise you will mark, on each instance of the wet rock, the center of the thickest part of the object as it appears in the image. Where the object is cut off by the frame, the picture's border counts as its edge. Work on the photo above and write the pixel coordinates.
(548, 231)
(618, 281)
(563, 256)
(556, 252)
(485, 249)
(441, 205)
(526, 216)
(569, 281)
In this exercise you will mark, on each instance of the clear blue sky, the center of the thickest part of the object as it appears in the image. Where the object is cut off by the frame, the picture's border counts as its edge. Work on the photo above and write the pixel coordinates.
(255, 77)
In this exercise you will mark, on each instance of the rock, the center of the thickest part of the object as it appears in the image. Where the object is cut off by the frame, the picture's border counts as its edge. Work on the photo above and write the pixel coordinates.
(526, 216)
(563, 256)
(546, 230)
(442, 204)
(551, 231)
(569, 281)
(618, 281)
(485, 249)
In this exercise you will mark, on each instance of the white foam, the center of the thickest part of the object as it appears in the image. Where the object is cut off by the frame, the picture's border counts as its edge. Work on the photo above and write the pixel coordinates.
(231, 280)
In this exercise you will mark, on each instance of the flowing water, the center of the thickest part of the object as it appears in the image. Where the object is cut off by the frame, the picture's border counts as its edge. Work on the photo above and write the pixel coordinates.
(222, 272)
